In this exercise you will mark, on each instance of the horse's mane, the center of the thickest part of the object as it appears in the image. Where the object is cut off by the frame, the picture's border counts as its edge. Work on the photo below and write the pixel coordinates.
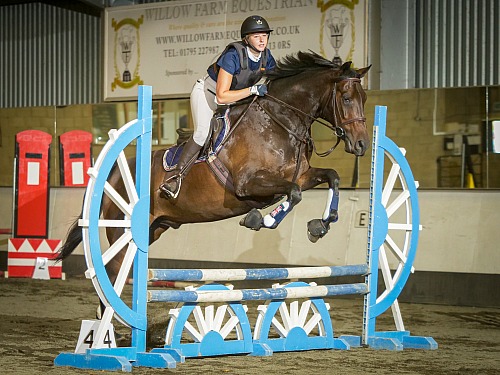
(291, 65)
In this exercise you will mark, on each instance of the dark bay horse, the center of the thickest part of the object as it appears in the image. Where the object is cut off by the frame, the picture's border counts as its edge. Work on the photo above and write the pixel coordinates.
(267, 155)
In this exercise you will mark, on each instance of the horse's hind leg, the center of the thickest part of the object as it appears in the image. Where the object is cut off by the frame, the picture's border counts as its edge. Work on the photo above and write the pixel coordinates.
(318, 228)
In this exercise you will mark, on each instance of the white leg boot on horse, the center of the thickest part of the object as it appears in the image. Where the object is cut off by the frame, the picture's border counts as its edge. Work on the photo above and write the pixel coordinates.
(172, 183)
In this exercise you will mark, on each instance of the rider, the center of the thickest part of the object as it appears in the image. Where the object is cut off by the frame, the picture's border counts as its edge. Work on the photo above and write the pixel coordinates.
(231, 78)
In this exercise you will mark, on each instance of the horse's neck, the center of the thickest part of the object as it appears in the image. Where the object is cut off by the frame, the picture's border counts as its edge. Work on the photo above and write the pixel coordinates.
(293, 110)
(303, 92)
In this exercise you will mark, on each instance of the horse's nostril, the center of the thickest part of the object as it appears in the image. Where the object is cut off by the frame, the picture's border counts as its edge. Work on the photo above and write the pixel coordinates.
(361, 145)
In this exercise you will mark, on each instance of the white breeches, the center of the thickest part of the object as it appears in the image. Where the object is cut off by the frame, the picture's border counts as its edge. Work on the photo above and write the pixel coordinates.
(203, 105)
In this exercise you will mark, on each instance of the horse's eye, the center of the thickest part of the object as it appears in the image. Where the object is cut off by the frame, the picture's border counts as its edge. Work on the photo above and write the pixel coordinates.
(346, 99)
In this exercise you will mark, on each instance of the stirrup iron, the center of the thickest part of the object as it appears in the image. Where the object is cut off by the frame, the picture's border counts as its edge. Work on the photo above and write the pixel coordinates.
(172, 194)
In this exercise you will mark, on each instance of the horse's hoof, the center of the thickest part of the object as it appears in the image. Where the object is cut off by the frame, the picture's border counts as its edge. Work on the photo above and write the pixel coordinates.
(312, 238)
(252, 220)
(316, 229)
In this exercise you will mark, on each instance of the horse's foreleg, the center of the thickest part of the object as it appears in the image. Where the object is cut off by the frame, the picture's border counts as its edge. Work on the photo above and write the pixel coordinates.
(268, 186)
(318, 228)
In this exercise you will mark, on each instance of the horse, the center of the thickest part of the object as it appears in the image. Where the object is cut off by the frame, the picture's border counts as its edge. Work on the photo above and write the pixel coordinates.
(266, 153)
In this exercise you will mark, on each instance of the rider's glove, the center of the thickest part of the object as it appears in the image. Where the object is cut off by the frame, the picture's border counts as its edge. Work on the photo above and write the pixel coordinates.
(260, 90)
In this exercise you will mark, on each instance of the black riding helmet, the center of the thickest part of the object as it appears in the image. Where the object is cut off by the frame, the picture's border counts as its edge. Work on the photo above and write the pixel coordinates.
(254, 24)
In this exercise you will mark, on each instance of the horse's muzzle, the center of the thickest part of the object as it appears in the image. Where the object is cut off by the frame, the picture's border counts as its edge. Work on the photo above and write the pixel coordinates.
(356, 146)
(360, 147)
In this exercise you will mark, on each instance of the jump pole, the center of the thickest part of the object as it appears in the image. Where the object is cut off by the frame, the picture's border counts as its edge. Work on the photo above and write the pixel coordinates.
(101, 356)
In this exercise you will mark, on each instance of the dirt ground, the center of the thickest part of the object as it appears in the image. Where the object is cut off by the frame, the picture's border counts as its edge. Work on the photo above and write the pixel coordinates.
(40, 319)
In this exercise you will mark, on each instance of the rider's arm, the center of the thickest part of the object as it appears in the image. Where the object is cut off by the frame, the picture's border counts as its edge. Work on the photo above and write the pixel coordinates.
(223, 89)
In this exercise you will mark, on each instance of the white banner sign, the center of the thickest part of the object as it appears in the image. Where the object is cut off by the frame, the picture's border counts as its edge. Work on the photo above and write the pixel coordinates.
(169, 45)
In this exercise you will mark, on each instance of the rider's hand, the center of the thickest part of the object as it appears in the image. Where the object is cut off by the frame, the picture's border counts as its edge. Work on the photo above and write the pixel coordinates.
(260, 90)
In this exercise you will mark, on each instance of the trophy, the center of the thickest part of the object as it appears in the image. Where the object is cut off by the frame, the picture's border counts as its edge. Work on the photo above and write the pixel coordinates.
(337, 23)
(126, 39)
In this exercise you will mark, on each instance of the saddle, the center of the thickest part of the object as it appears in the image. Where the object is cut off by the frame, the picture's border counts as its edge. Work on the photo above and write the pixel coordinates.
(219, 129)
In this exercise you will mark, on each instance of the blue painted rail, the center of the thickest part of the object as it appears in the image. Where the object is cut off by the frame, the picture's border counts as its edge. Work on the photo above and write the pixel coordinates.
(256, 273)
(280, 293)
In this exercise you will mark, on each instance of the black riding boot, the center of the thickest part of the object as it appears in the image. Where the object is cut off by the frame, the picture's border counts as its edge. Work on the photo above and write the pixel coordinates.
(172, 184)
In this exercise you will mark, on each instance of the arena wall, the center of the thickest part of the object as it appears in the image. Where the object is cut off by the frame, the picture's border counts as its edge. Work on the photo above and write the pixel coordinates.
(458, 261)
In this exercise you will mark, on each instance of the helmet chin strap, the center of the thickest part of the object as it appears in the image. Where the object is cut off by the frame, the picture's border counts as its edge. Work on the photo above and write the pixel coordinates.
(249, 45)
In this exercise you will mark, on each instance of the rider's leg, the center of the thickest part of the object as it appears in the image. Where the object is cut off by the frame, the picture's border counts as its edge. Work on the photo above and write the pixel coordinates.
(190, 151)
(203, 106)
(202, 112)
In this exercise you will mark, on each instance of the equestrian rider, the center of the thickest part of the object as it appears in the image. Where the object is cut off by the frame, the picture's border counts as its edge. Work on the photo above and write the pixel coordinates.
(231, 78)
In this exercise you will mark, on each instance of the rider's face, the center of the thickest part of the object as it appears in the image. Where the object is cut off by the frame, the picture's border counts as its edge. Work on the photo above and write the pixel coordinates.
(258, 41)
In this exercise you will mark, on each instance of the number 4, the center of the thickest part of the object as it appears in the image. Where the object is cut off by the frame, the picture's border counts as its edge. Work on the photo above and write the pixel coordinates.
(89, 339)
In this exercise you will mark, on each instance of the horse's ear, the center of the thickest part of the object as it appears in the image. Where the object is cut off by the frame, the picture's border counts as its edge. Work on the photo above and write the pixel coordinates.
(361, 72)
(346, 66)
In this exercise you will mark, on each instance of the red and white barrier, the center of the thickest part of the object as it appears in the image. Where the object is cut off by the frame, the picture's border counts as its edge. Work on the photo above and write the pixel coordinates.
(33, 258)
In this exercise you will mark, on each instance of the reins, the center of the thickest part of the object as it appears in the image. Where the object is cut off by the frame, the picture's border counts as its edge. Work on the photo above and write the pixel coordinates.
(336, 128)
(338, 131)
(238, 120)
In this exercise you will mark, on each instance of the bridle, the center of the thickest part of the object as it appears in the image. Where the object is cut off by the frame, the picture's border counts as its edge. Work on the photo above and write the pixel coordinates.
(337, 127)
(336, 106)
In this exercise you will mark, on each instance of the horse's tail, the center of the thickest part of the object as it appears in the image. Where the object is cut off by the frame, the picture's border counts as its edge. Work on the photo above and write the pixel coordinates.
(73, 238)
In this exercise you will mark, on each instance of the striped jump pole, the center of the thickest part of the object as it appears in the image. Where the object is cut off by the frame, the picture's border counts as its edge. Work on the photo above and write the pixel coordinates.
(256, 273)
(212, 319)
(276, 293)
